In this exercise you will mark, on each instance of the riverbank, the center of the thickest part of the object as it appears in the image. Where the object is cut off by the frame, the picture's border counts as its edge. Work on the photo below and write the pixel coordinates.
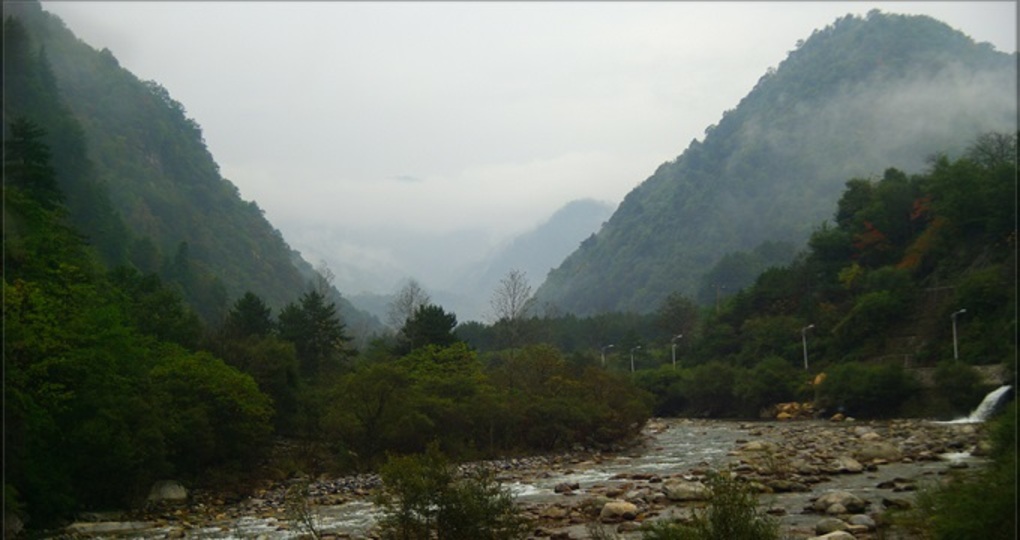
(792, 465)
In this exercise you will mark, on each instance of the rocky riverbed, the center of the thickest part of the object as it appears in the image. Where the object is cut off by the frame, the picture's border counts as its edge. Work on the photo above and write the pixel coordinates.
(814, 477)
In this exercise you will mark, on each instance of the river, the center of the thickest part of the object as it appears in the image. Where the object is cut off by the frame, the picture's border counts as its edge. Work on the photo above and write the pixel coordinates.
(671, 448)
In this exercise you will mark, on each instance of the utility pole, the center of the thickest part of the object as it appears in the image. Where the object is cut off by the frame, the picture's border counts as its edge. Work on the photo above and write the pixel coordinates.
(956, 350)
(803, 339)
(603, 350)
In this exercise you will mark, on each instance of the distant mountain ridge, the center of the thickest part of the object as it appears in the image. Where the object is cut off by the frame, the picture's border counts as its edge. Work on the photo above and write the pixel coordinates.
(185, 221)
(535, 252)
(856, 97)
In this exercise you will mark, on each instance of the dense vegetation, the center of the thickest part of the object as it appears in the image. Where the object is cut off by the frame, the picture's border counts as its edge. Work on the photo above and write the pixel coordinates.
(859, 96)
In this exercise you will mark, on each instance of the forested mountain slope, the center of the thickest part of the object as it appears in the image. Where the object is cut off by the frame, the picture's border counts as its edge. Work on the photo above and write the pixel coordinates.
(139, 180)
(859, 96)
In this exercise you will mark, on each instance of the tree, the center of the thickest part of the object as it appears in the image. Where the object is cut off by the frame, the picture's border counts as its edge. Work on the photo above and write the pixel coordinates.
(678, 315)
(511, 302)
(250, 316)
(430, 325)
(410, 297)
(27, 163)
(316, 331)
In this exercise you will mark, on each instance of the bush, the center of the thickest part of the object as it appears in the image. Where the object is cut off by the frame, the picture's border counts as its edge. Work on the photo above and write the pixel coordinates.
(774, 380)
(423, 498)
(709, 389)
(981, 505)
(867, 390)
(732, 515)
(215, 415)
(959, 385)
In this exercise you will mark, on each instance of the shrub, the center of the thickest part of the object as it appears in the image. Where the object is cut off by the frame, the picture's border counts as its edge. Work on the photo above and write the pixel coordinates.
(732, 515)
(423, 498)
(959, 385)
(981, 505)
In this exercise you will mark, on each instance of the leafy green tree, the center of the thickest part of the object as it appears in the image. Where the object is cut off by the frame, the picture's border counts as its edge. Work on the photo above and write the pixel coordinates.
(273, 364)
(377, 408)
(158, 310)
(216, 416)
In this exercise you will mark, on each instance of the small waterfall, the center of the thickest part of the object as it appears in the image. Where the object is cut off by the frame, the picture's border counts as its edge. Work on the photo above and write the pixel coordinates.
(989, 405)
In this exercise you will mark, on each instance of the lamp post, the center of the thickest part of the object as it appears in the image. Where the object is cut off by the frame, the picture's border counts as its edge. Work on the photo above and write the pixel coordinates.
(632, 358)
(956, 350)
(676, 337)
(803, 340)
(603, 350)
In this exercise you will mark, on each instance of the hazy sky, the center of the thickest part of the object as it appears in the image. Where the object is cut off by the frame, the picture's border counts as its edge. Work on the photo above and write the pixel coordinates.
(354, 122)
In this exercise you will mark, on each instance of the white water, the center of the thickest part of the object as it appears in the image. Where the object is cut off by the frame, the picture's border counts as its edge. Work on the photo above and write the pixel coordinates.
(984, 409)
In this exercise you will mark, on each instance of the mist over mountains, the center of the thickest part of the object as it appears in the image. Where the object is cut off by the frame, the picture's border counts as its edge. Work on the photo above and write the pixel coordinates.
(852, 99)
(466, 288)
(859, 96)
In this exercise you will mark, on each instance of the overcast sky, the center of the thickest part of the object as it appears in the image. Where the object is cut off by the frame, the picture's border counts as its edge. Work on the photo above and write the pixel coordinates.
(383, 116)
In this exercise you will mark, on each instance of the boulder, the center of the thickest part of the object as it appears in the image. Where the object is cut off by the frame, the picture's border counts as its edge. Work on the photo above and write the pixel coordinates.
(852, 503)
(846, 464)
(835, 535)
(677, 490)
(828, 525)
(566, 487)
(876, 450)
(863, 520)
(615, 511)
(167, 491)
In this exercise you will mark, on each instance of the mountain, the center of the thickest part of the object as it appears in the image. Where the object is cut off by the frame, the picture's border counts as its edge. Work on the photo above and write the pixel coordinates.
(538, 251)
(142, 165)
(861, 95)
(466, 291)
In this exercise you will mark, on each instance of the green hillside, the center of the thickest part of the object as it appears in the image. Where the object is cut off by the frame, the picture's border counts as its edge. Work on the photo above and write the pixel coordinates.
(859, 96)
(140, 182)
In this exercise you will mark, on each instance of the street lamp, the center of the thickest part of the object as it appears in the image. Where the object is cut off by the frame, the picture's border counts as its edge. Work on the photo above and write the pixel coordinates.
(632, 358)
(603, 350)
(676, 337)
(956, 351)
(803, 340)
